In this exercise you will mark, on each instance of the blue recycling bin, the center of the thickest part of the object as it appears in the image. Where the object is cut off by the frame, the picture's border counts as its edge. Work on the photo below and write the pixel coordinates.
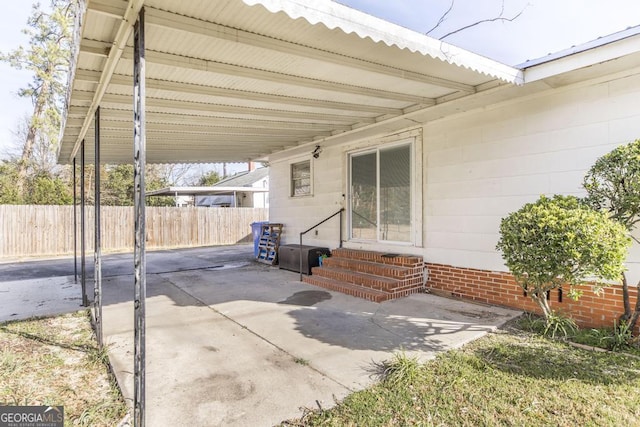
(256, 228)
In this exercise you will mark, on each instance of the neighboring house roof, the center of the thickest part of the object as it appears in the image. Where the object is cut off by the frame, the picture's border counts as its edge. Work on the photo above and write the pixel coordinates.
(238, 183)
(244, 179)
(240, 80)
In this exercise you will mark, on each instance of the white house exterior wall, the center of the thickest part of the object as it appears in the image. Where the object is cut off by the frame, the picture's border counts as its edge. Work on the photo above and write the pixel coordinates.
(481, 165)
(261, 200)
(300, 213)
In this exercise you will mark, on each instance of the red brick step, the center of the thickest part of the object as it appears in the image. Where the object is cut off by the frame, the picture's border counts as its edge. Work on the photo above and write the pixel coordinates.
(362, 279)
(374, 276)
(348, 288)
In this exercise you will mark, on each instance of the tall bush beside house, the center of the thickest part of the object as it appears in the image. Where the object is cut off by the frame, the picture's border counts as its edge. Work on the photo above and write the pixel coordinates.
(613, 186)
(561, 241)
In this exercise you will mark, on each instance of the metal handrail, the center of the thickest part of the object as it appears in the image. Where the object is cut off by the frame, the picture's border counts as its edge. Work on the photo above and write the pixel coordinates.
(364, 217)
(315, 226)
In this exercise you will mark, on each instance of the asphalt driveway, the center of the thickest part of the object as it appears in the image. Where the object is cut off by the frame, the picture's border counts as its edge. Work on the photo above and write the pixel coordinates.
(234, 342)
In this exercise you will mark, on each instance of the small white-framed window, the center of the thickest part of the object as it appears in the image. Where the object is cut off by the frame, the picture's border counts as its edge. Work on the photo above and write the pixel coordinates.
(301, 179)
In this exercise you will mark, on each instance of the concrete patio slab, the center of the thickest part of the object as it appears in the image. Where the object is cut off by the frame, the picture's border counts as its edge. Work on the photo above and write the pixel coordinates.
(339, 335)
(235, 343)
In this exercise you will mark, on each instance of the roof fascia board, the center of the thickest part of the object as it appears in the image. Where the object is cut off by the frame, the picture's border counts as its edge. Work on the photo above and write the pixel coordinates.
(582, 59)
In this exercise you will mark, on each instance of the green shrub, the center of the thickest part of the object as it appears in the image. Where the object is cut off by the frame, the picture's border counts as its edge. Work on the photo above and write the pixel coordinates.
(559, 241)
(558, 324)
(401, 370)
(554, 325)
(613, 186)
(619, 338)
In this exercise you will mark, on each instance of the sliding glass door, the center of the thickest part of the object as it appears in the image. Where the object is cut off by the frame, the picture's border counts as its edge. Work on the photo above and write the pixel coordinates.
(380, 194)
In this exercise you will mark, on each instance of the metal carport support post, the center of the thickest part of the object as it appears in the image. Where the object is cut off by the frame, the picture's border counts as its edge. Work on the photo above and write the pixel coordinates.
(140, 262)
(83, 266)
(97, 250)
(75, 224)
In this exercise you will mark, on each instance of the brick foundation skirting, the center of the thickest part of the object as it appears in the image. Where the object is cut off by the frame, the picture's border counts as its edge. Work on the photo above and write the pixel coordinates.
(498, 288)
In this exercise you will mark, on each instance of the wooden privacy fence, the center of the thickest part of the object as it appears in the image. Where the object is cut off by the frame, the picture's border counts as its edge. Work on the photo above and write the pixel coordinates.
(30, 230)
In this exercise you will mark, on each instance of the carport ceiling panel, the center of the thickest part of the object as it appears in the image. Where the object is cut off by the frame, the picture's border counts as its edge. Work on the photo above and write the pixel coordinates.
(99, 25)
(278, 57)
(285, 64)
(124, 128)
(301, 36)
(120, 151)
(325, 91)
(273, 85)
(121, 84)
(262, 77)
(179, 106)
(160, 89)
(290, 63)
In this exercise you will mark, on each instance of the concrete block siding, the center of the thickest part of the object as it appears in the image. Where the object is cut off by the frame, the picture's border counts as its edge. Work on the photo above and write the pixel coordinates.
(299, 213)
(482, 165)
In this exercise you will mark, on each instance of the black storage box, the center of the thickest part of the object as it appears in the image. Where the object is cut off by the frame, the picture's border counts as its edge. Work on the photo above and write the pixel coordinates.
(289, 257)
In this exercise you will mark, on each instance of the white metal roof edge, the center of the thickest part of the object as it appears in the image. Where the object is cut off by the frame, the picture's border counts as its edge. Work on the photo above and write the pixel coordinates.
(81, 13)
(593, 44)
(337, 16)
(601, 50)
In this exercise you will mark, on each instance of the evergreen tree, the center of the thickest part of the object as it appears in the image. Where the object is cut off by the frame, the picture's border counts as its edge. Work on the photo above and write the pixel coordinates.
(47, 56)
(209, 178)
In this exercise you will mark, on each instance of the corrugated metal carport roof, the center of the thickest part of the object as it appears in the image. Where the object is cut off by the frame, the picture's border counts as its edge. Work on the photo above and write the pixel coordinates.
(237, 80)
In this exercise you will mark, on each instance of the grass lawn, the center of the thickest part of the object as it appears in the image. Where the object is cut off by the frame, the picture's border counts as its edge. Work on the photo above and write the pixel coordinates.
(506, 378)
(56, 361)
(510, 377)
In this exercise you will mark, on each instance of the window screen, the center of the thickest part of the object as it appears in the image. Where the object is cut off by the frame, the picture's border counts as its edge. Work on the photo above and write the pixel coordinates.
(301, 178)
(380, 194)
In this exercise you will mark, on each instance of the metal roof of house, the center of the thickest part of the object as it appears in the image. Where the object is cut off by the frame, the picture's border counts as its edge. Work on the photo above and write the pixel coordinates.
(583, 47)
(244, 179)
(238, 80)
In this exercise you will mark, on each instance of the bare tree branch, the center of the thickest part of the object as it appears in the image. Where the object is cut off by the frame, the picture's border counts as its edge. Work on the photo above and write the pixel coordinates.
(500, 17)
(442, 18)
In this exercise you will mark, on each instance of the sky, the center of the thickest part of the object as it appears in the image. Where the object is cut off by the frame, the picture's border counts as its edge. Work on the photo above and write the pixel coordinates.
(545, 26)
(12, 108)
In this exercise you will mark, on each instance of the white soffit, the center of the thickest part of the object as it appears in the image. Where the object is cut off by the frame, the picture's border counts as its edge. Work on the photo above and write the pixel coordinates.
(237, 80)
